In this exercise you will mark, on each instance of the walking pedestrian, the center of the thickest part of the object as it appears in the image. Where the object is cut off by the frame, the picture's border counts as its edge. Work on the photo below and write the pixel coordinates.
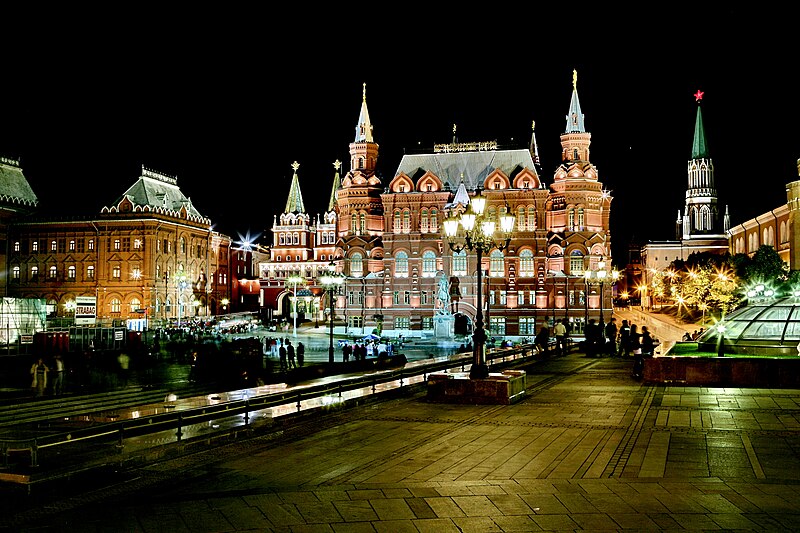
(543, 336)
(611, 337)
(282, 356)
(624, 340)
(58, 382)
(636, 350)
(39, 377)
(290, 354)
(560, 331)
(346, 351)
(301, 353)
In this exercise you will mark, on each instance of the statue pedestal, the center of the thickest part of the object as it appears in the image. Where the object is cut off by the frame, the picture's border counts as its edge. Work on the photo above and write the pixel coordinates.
(502, 388)
(444, 327)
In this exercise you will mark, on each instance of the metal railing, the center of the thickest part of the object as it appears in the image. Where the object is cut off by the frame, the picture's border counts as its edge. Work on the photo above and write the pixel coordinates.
(244, 408)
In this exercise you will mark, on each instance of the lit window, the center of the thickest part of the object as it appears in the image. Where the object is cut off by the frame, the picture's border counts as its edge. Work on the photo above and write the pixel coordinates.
(52, 272)
(71, 245)
(460, 263)
(90, 272)
(53, 246)
(116, 305)
(91, 244)
(34, 272)
(135, 305)
(428, 264)
(356, 265)
(71, 272)
(496, 264)
(35, 246)
(117, 244)
(15, 272)
(116, 272)
(526, 263)
(401, 265)
(16, 246)
(137, 244)
(136, 273)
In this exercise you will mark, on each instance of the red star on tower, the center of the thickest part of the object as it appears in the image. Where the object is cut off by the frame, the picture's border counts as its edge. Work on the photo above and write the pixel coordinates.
(698, 95)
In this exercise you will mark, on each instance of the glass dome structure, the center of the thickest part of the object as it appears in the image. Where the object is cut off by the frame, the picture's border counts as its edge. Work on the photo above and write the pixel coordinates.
(767, 326)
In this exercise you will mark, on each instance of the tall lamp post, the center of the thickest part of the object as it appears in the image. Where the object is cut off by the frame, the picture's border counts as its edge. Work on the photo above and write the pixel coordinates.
(182, 282)
(331, 281)
(294, 279)
(596, 276)
(473, 231)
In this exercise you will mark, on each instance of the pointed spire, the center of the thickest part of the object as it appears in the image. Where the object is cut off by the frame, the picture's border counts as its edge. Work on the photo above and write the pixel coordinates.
(534, 149)
(575, 116)
(294, 204)
(461, 196)
(364, 126)
(455, 139)
(337, 182)
(699, 146)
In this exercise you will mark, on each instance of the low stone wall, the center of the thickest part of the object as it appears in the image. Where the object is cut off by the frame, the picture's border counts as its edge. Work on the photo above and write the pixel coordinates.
(502, 388)
(723, 371)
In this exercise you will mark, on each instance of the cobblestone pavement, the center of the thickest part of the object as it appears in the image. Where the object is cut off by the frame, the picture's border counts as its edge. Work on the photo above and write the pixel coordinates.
(587, 449)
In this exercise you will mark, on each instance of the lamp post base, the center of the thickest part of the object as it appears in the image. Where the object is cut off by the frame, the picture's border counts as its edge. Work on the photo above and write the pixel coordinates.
(479, 371)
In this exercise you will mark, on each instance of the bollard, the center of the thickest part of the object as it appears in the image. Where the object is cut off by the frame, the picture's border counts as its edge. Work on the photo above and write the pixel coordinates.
(246, 412)
(179, 433)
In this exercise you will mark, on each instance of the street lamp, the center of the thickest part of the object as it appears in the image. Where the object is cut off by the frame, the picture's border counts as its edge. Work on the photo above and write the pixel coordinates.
(182, 282)
(331, 280)
(294, 279)
(479, 234)
(599, 276)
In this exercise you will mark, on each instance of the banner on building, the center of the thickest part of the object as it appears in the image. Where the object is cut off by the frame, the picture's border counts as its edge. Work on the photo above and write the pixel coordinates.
(85, 310)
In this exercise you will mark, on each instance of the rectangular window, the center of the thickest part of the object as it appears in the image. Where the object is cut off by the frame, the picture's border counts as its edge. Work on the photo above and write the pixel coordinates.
(355, 321)
(423, 298)
(402, 322)
(527, 325)
(16, 246)
(62, 246)
(34, 246)
(126, 244)
(116, 272)
(91, 244)
(90, 272)
(497, 325)
(502, 297)
(72, 245)
(117, 244)
(396, 297)
(137, 244)
(427, 322)
(406, 297)
(53, 245)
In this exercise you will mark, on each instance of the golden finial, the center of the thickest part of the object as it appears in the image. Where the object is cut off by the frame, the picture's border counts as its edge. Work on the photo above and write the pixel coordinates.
(574, 80)
(295, 166)
(337, 164)
(454, 128)
(533, 125)
(364, 92)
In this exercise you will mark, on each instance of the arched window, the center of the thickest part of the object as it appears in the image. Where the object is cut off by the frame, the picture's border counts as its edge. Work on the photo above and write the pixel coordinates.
(356, 265)
(496, 264)
(460, 263)
(183, 245)
(428, 264)
(354, 223)
(362, 223)
(116, 305)
(396, 222)
(526, 263)
(531, 218)
(423, 220)
(296, 239)
(433, 225)
(521, 225)
(406, 221)
(15, 273)
(52, 272)
(134, 305)
(576, 265)
(401, 265)
(580, 217)
(34, 272)
(71, 272)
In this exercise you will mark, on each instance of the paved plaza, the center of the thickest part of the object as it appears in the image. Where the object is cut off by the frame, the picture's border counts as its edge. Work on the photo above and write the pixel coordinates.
(588, 449)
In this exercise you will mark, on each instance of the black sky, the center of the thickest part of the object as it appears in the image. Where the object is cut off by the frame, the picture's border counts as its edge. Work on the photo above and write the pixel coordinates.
(226, 101)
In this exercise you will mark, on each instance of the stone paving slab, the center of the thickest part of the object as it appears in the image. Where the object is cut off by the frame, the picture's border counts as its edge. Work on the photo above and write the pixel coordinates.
(588, 448)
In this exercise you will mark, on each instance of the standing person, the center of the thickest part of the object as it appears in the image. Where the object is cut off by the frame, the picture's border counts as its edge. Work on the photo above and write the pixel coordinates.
(290, 354)
(39, 377)
(593, 335)
(560, 331)
(624, 340)
(648, 343)
(58, 383)
(635, 344)
(346, 351)
(611, 337)
(124, 363)
(543, 337)
(282, 356)
(301, 353)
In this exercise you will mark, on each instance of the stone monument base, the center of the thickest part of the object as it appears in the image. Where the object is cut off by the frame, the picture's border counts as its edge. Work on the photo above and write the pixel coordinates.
(501, 388)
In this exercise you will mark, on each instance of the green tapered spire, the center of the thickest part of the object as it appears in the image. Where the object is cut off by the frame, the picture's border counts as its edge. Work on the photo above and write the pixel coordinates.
(337, 182)
(699, 146)
(294, 204)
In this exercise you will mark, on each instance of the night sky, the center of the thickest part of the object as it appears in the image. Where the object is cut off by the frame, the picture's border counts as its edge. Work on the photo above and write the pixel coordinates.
(226, 101)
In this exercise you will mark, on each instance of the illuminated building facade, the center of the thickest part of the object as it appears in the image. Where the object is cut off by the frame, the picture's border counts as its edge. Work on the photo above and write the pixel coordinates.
(389, 241)
(148, 256)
